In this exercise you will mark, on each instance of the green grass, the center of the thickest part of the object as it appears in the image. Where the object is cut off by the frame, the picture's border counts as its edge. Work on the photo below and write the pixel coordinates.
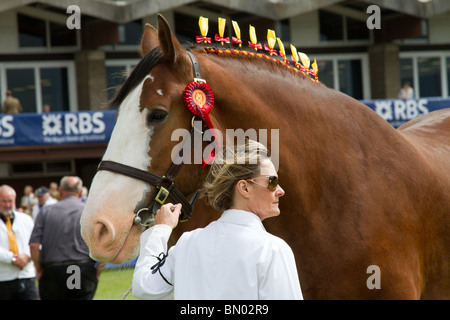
(114, 283)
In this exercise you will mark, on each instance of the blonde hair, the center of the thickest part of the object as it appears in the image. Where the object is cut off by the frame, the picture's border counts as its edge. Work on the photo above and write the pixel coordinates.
(229, 167)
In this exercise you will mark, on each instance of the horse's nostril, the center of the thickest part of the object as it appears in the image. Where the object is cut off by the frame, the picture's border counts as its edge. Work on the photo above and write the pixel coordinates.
(104, 235)
(103, 231)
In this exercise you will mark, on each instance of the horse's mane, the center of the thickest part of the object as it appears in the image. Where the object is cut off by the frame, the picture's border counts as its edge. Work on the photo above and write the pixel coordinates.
(248, 56)
(151, 59)
(138, 74)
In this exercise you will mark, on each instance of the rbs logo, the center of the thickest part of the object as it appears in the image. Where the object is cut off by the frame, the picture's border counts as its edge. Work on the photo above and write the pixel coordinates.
(6, 127)
(72, 124)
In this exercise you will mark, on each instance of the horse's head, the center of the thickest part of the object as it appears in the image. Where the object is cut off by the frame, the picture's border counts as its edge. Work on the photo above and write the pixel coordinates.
(150, 107)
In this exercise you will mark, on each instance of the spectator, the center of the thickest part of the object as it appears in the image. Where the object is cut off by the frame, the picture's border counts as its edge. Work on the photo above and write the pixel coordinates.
(406, 92)
(84, 194)
(53, 190)
(46, 108)
(17, 272)
(28, 199)
(56, 244)
(11, 104)
(44, 199)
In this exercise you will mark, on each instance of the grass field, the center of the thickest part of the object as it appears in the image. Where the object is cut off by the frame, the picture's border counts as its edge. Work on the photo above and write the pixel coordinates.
(114, 283)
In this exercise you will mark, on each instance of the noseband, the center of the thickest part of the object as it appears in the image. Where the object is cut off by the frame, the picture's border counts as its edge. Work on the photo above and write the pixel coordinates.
(165, 184)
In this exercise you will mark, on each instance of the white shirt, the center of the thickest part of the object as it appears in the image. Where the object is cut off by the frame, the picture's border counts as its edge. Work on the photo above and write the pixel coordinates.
(232, 258)
(22, 227)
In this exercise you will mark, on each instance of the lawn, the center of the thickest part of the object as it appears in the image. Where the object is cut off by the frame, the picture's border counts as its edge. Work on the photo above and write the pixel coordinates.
(114, 283)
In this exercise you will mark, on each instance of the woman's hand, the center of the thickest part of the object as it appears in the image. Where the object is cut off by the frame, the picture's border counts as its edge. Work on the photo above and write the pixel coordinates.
(168, 214)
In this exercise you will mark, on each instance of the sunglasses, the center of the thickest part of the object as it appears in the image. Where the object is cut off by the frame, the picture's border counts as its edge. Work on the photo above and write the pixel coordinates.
(272, 184)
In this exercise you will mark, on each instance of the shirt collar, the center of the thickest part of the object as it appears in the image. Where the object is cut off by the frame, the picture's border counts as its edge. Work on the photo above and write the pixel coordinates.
(12, 216)
(242, 217)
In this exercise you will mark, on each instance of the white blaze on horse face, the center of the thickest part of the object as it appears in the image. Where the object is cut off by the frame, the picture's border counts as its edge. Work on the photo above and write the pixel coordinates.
(114, 197)
(160, 92)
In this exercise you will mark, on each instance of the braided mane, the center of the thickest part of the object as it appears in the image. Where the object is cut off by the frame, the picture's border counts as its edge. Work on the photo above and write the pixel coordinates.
(230, 52)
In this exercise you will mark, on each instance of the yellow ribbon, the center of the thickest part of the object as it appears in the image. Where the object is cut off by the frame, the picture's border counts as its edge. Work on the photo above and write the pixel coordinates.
(203, 24)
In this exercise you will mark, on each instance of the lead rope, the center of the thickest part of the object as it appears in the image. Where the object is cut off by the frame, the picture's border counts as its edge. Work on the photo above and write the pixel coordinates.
(127, 293)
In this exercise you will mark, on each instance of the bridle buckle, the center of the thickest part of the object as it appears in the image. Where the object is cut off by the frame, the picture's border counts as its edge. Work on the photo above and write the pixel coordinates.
(162, 195)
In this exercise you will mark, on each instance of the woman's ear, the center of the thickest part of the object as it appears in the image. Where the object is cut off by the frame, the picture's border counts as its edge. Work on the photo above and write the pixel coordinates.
(242, 187)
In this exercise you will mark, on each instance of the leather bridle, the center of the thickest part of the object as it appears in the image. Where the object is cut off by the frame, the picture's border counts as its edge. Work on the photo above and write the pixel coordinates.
(166, 183)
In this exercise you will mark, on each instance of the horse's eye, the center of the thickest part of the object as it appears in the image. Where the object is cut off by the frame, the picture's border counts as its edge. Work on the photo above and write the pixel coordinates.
(156, 116)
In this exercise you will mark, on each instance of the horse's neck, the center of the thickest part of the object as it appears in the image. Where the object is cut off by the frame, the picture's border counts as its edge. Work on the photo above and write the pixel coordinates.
(253, 94)
(311, 118)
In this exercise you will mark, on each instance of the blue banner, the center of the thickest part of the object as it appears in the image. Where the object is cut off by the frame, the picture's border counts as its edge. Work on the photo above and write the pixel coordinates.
(398, 112)
(60, 128)
(56, 128)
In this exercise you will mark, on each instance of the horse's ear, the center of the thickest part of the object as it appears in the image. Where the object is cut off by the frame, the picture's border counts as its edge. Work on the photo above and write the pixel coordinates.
(149, 40)
(170, 46)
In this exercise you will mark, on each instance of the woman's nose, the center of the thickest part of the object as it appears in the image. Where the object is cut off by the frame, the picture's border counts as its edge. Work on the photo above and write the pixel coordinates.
(280, 191)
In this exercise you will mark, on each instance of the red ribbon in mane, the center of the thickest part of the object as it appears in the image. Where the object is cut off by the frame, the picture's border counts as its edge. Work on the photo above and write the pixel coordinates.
(256, 45)
(285, 60)
(271, 51)
(200, 39)
(222, 39)
(236, 40)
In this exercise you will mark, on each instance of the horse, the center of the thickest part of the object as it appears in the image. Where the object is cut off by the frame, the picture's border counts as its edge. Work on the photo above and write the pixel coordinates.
(367, 207)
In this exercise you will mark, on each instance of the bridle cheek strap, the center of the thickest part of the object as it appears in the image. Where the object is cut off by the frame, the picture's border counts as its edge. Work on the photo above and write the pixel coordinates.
(165, 184)
(199, 107)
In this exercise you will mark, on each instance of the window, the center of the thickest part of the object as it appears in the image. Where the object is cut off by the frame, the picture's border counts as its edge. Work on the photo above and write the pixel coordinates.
(350, 78)
(406, 71)
(61, 36)
(37, 84)
(346, 73)
(31, 31)
(429, 77)
(38, 33)
(336, 27)
(428, 73)
(356, 29)
(22, 84)
(116, 71)
(331, 26)
(326, 73)
(130, 33)
(114, 78)
(55, 88)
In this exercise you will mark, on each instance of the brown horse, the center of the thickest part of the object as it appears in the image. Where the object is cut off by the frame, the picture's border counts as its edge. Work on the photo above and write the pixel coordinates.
(367, 207)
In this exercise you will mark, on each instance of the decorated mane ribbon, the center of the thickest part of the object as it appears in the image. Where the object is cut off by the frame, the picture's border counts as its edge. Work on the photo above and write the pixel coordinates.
(271, 40)
(315, 70)
(203, 24)
(304, 66)
(219, 37)
(237, 31)
(301, 60)
(282, 51)
(253, 42)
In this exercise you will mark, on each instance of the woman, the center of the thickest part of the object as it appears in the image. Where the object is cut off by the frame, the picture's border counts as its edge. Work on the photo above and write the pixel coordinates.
(233, 257)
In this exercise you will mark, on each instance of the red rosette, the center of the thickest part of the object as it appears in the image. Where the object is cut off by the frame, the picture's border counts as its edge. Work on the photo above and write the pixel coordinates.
(199, 99)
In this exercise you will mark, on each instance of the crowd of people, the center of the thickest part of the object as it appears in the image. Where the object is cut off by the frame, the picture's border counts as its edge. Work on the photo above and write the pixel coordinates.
(40, 239)
(33, 200)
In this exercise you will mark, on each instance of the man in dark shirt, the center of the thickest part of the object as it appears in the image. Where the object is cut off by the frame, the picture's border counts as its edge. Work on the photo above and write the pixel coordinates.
(64, 268)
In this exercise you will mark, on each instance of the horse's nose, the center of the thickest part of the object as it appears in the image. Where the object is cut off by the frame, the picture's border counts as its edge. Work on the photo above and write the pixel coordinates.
(101, 239)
